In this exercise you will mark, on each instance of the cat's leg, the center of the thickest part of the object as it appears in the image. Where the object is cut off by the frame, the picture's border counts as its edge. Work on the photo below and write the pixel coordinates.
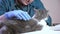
(3, 30)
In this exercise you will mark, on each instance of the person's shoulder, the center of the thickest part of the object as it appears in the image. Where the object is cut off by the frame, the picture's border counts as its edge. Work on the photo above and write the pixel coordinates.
(37, 0)
(37, 4)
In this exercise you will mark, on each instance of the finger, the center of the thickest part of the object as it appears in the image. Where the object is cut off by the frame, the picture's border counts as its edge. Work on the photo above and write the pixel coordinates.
(26, 15)
(22, 15)
(18, 16)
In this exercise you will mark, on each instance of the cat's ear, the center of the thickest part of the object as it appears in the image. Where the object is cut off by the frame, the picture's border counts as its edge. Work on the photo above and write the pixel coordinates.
(40, 10)
(35, 10)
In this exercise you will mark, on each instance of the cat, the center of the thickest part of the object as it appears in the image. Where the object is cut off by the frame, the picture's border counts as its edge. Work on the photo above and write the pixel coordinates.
(16, 26)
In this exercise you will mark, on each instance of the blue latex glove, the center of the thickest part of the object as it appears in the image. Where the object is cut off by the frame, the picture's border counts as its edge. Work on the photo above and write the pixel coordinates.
(19, 14)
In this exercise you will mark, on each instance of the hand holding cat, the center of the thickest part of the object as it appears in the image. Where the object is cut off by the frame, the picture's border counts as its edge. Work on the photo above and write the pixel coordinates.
(18, 14)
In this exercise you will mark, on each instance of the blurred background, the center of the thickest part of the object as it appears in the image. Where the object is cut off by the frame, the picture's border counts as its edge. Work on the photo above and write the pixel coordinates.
(53, 6)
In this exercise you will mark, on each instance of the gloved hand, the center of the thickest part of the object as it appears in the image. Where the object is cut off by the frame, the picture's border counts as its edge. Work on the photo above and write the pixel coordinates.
(18, 14)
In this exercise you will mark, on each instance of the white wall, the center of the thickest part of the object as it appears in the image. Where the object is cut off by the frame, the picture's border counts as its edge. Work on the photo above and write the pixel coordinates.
(54, 9)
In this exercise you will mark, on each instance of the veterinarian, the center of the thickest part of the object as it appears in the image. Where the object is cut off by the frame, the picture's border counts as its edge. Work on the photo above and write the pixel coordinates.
(20, 9)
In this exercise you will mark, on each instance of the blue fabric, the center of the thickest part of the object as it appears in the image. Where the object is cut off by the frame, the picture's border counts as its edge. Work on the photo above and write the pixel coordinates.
(49, 21)
(10, 5)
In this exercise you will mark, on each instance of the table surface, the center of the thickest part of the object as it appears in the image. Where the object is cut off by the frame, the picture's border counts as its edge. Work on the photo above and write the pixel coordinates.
(43, 32)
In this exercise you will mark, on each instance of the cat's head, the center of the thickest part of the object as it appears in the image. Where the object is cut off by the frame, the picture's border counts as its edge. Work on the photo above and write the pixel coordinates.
(40, 14)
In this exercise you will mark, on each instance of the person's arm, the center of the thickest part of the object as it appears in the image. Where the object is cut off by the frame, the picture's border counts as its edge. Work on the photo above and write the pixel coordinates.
(2, 11)
(6, 14)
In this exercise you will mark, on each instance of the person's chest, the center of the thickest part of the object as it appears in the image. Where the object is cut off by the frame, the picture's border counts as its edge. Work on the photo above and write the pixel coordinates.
(11, 5)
